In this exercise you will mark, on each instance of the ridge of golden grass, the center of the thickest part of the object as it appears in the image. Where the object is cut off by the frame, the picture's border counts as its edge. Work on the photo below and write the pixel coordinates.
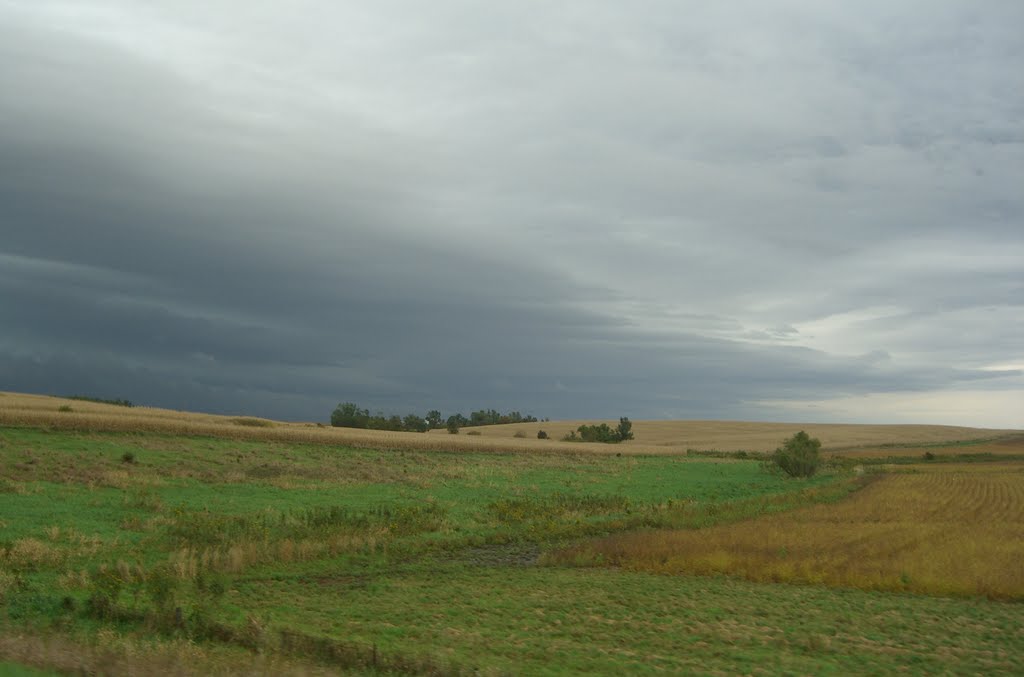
(18, 409)
(652, 437)
(958, 530)
(1007, 443)
(678, 436)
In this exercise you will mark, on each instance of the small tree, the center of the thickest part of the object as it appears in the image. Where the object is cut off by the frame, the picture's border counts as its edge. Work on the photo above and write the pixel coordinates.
(625, 429)
(798, 456)
(349, 415)
(415, 424)
(434, 419)
(453, 425)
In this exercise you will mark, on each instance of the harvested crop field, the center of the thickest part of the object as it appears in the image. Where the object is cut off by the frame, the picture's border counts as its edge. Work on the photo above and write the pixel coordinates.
(954, 531)
(680, 436)
(1004, 445)
(652, 437)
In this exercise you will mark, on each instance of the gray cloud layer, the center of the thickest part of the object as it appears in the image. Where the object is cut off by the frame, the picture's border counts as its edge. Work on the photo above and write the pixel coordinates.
(577, 211)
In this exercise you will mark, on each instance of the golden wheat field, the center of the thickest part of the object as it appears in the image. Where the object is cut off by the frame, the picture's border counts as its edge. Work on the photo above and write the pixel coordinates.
(652, 437)
(951, 530)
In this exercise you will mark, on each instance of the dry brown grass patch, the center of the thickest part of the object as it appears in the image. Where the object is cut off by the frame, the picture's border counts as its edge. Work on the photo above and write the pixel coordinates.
(949, 532)
(189, 562)
(32, 553)
(110, 653)
(8, 581)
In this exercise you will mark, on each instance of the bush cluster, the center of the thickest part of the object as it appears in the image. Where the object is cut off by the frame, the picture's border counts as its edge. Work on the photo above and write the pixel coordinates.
(602, 432)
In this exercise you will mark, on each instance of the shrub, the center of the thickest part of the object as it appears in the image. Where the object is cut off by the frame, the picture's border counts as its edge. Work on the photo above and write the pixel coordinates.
(798, 455)
(453, 427)
(64, 409)
(929, 456)
(128, 457)
(474, 432)
(519, 435)
(541, 435)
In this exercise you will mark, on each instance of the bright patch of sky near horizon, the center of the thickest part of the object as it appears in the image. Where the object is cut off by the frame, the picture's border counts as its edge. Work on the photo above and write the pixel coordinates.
(757, 210)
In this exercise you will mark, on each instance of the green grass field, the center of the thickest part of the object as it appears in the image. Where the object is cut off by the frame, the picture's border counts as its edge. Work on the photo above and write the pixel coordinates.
(8, 669)
(199, 555)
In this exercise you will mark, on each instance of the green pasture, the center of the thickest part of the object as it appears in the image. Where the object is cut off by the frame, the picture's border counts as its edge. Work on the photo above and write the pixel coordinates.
(404, 562)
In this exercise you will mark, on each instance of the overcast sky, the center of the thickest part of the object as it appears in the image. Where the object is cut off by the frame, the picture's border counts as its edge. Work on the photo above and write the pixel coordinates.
(799, 210)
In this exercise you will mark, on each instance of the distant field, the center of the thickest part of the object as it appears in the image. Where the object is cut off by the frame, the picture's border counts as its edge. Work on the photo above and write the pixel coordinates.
(652, 437)
(1011, 444)
(678, 436)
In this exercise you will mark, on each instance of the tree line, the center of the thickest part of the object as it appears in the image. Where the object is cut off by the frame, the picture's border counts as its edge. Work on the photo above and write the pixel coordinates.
(350, 415)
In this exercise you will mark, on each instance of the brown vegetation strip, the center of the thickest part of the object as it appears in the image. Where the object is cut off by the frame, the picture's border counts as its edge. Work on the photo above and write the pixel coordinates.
(955, 533)
(113, 654)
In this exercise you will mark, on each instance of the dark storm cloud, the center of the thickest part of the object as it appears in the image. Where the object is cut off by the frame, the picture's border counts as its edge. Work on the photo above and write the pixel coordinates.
(578, 211)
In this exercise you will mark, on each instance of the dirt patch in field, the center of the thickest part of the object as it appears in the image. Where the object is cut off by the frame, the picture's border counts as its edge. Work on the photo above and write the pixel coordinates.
(351, 582)
(510, 555)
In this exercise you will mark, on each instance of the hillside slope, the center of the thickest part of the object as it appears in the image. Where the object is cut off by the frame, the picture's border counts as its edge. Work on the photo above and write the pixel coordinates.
(652, 437)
